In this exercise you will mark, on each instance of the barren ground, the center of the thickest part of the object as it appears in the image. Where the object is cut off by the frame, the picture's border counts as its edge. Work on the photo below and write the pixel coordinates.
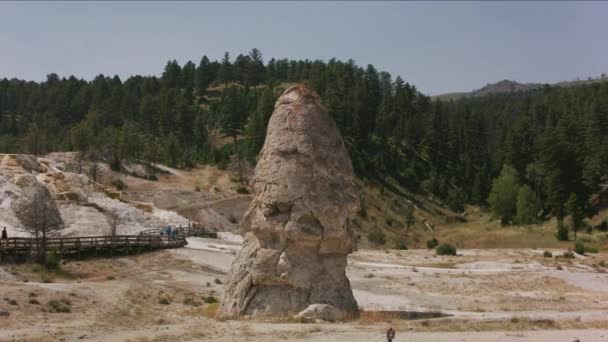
(490, 295)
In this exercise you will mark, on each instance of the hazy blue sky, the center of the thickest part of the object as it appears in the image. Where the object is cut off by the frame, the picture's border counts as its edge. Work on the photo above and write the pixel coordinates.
(439, 47)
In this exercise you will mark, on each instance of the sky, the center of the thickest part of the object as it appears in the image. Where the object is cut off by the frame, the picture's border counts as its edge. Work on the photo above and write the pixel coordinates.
(437, 46)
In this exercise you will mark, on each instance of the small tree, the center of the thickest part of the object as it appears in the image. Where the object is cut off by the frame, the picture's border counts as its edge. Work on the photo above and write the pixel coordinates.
(503, 196)
(574, 209)
(410, 220)
(38, 216)
(114, 220)
(94, 171)
(528, 205)
(562, 231)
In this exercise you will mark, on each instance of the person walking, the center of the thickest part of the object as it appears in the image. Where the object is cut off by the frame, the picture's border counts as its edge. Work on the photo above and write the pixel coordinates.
(4, 234)
(390, 334)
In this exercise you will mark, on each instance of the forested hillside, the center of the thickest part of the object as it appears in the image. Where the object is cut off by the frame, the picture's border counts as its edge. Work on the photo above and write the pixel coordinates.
(555, 138)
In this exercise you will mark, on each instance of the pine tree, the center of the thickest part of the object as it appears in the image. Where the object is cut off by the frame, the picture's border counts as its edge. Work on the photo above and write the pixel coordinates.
(204, 75)
(224, 74)
(574, 209)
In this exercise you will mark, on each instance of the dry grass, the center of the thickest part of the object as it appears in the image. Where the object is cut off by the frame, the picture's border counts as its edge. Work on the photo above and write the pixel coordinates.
(482, 232)
(210, 311)
(513, 324)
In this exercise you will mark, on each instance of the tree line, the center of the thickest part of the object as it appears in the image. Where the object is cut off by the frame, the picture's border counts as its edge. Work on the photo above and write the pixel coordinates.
(552, 140)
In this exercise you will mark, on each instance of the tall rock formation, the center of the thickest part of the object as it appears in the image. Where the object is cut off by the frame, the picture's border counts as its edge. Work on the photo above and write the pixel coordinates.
(299, 223)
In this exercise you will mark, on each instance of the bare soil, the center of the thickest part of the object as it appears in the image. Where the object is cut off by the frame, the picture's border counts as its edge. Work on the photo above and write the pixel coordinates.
(497, 294)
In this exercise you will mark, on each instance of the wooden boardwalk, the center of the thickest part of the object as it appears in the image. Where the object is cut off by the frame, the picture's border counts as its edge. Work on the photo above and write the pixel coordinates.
(88, 245)
(78, 246)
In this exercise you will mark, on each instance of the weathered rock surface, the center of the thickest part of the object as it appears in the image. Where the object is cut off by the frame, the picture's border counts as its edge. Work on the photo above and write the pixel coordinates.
(323, 312)
(75, 204)
(299, 222)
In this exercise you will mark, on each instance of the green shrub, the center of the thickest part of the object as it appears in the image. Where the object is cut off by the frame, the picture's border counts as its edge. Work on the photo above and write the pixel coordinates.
(432, 243)
(579, 247)
(362, 207)
(62, 305)
(446, 249)
(52, 259)
(603, 226)
(46, 278)
(400, 245)
(376, 236)
(548, 254)
(242, 190)
(210, 300)
(190, 301)
(562, 232)
(34, 301)
(568, 255)
(164, 301)
(119, 184)
(197, 188)
(591, 250)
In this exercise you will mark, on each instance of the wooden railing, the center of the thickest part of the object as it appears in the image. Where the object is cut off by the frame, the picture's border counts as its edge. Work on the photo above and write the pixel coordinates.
(184, 232)
(89, 244)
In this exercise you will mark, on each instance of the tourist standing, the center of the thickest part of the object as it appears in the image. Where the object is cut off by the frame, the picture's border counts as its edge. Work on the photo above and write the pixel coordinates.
(390, 334)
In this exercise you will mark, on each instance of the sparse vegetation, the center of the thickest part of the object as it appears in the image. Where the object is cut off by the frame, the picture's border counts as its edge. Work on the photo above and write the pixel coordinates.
(568, 255)
(242, 190)
(211, 310)
(210, 299)
(52, 260)
(189, 300)
(562, 231)
(579, 247)
(432, 243)
(400, 245)
(547, 254)
(446, 249)
(164, 300)
(376, 236)
(119, 184)
(589, 249)
(62, 305)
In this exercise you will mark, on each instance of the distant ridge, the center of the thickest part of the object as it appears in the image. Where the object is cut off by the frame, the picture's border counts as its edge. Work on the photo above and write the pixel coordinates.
(508, 86)
(505, 86)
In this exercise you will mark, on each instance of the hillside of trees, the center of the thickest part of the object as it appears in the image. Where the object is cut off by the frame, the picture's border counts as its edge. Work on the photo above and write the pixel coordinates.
(553, 140)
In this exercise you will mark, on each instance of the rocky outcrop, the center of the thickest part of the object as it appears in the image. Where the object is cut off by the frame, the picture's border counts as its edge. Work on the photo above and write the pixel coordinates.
(75, 204)
(299, 222)
(28, 202)
(37, 211)
(322, 312)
